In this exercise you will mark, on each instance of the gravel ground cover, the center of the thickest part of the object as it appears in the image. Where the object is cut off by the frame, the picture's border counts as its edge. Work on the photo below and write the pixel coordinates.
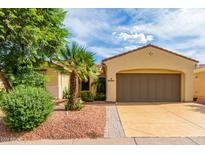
(87, 123)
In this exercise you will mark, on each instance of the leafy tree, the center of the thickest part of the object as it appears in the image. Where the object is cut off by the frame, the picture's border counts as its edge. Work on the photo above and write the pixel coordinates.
(81, 63)
(33, 79)
(29, 37)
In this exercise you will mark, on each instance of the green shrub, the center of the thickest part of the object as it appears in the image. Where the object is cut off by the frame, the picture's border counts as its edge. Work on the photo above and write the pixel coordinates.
(77, 106)
(86, 96)
(66, 93)
(100, 97)
(2, 92)
(33, 79)
(26, 107)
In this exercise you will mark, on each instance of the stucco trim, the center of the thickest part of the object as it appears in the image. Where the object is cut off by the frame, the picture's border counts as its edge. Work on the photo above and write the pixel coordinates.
(149, 45)
(150, 71)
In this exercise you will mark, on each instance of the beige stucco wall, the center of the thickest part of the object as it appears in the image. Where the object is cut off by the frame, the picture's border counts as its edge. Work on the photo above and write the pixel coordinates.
(147, 60)
(56, 82)
(199, 83)
(52, 82)
(63, 83)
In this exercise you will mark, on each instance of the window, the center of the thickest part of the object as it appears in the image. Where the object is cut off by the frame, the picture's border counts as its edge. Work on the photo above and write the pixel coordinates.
(85, 85)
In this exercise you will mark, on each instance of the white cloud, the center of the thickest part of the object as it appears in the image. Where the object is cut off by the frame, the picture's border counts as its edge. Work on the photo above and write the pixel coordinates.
(104, 52)
(150, 37)
(198, 55)
(171, 24)
(134, 37)
(90, 25)
(127, 48)
(114, 33)
(108, 52)
(201, 58)
(87, 26)
(181, 30)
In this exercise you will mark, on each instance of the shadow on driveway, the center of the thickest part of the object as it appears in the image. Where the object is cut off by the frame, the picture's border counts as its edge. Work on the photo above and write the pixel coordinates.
(197, 108)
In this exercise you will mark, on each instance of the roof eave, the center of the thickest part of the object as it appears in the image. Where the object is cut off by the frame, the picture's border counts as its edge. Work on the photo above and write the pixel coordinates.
(149, 45)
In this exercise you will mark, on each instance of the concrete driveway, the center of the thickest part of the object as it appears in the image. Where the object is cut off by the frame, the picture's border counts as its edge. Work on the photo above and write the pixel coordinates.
(162, 119)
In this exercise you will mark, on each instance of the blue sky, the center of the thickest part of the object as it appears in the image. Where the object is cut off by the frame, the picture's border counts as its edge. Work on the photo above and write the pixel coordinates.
(108, 32)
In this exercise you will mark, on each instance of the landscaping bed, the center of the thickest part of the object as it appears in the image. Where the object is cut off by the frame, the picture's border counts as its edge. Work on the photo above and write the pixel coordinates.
(61, 124)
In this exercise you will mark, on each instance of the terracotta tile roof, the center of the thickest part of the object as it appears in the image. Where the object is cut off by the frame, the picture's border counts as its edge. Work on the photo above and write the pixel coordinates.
(149, 45)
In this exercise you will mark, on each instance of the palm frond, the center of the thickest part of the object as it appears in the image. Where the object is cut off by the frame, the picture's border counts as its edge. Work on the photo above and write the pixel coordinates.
(80, 60)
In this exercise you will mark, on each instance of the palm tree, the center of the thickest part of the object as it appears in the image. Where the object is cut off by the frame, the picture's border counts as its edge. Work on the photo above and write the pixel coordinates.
(81, 63)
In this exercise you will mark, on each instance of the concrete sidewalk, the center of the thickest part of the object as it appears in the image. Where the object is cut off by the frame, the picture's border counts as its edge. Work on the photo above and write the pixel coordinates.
(113, 127)
(118, 141)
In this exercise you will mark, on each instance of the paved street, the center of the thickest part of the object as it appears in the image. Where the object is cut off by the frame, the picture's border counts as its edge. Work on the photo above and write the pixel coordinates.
(119, 141)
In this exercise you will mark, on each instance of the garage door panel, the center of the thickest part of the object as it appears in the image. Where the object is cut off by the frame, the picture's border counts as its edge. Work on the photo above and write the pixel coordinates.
(151, 90)
(148, 87)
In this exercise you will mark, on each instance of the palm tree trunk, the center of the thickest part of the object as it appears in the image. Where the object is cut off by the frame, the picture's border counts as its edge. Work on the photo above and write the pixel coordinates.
(73, 88)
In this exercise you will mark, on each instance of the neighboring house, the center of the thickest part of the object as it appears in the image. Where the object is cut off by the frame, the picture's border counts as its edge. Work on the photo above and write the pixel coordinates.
(149, 74)
(199, 83)
(56, 81)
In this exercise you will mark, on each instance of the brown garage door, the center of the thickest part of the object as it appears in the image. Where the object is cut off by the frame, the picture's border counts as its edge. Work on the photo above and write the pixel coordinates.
(148, 87)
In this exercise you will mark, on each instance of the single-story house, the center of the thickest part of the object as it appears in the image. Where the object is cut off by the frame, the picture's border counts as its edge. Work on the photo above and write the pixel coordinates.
(146, 74)
(57, 81)
(149, 74)
(199, 83)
